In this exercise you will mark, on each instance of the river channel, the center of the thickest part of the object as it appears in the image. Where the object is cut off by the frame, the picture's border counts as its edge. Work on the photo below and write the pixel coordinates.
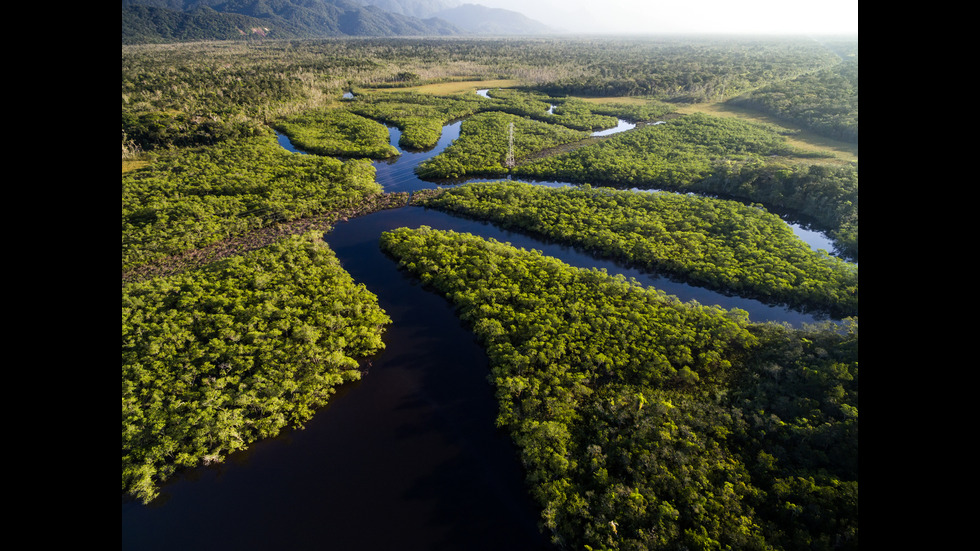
(408, 457)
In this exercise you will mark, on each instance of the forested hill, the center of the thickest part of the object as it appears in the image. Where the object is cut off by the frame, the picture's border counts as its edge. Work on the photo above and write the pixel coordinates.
(478, 19)
(416, 8)
(148, 21)
(471, 18)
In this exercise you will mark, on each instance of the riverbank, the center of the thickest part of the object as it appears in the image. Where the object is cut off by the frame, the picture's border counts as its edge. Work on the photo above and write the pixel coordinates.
(596, 137)
(262, 237)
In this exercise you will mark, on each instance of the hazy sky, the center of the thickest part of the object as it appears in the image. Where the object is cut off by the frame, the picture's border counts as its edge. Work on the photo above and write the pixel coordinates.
(695, 16)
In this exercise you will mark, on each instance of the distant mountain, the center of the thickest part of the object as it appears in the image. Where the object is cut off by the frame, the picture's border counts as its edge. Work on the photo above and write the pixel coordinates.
(178, 20)
(416, 8)
(148, 24)
(479, 19)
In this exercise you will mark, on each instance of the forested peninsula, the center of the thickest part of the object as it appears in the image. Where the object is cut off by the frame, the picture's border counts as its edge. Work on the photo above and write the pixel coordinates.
(216, 358)
(640, 421)
(646, 423)
(716, 243)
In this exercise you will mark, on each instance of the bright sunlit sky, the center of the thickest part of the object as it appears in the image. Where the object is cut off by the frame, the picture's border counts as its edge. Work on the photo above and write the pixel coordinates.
(690, 16)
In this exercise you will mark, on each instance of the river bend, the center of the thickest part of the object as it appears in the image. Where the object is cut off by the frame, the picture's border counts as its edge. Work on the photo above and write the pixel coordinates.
(406, 458)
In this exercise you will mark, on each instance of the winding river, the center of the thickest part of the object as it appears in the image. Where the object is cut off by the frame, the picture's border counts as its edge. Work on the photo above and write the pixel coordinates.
(406, 458)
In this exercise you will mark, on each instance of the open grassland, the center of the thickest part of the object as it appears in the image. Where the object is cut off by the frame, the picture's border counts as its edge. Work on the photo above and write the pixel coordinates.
(802, 139)
(626, 100)
(133, 165)
(445, 88)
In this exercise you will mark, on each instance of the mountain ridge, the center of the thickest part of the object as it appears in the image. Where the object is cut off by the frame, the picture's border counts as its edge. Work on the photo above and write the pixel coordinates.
(480, 19)
(417, 8)
(156, 21)
(146, 21)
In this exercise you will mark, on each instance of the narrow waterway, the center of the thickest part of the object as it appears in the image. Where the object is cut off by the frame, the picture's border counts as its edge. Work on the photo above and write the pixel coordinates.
(398, 174)
(408, 458)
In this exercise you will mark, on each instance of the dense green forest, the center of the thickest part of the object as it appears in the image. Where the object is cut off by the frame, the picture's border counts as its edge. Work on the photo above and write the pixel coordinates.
(825, 101)
(703, 153)
(673, 155)
(720, 244)
(163, 21)
(647, 423)
(827, 194)
(483, 145)
(216, 358)
(192, 197)
(691, 70)
(227, 82)
(338, 133)
(642, 422)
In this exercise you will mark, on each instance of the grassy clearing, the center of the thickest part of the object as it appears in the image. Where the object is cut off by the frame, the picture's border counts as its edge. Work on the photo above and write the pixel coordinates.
(446, 88)
(805, 140)
(133, 165)
(625, 100)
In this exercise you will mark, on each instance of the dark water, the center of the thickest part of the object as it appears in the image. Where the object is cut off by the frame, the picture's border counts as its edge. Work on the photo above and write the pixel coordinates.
(405, 459)
(414, 217)
(398, 174)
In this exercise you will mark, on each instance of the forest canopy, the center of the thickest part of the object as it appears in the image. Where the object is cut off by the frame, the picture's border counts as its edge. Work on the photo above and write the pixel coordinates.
(189, 198)
(216, 358)
(825, 101)
(647, 423)
(642, 422)
(720, 244)
(237, 83)
(708, 154)
(337, 133)
(672, 155)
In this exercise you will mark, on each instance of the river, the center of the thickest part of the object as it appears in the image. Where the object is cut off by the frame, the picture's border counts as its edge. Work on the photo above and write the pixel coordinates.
(406, 458)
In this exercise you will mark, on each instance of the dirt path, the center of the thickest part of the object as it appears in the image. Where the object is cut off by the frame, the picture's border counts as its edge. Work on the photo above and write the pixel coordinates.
(260, 238)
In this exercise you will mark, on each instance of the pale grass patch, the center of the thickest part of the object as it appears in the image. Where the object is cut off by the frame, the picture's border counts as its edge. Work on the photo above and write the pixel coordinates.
(803, 139)
(446, 88)
(133, 165)
(625, 100)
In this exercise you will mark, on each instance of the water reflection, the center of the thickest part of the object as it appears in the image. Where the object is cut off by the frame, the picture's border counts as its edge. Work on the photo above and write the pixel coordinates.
(621, 126)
